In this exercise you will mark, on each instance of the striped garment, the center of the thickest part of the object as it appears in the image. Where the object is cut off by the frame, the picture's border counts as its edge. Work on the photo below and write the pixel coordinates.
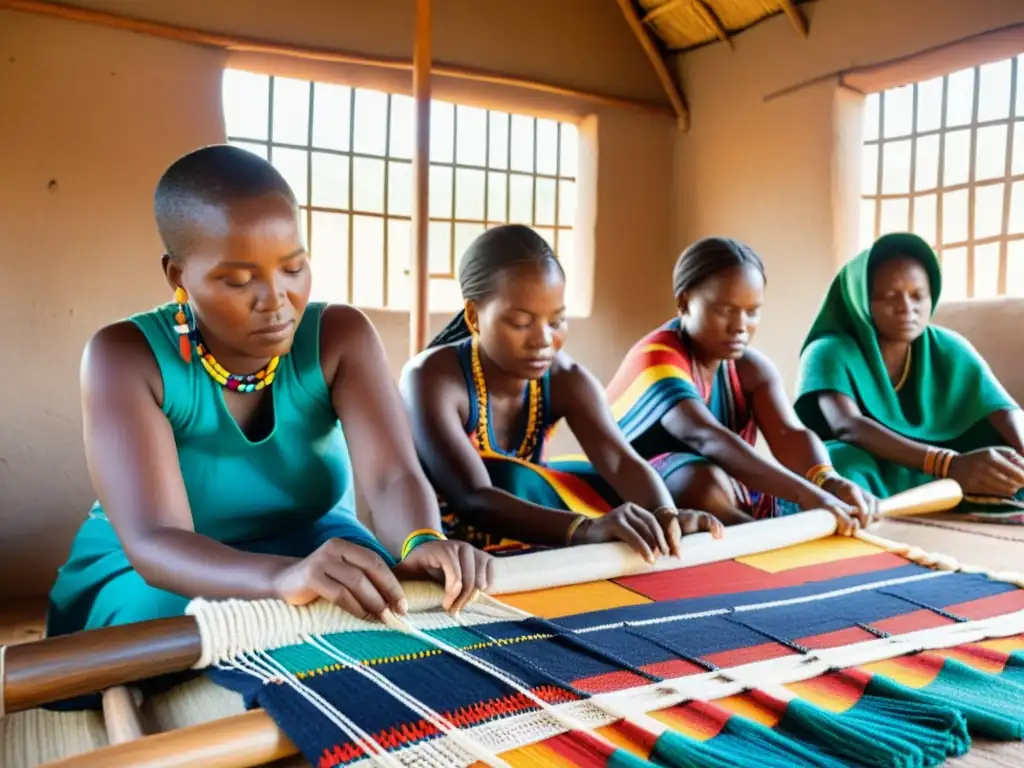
(656, 375)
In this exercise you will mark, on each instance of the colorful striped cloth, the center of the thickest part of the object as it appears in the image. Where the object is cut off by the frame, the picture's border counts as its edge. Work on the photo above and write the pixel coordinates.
(699, 667)
(655, 376)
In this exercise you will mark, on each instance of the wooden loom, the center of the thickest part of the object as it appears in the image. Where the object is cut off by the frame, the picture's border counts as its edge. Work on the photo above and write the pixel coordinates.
(106, 660)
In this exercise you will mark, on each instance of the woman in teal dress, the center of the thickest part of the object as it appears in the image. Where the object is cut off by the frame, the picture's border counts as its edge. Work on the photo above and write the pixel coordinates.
(220, 485)
(901, 402)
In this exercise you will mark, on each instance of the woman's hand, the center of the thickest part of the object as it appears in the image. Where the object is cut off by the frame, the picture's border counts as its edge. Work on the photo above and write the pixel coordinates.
(817, 498)
(865, 504)
(645, 532)
(463, 568)
(989, 471)
(677, 523)
(349, 575)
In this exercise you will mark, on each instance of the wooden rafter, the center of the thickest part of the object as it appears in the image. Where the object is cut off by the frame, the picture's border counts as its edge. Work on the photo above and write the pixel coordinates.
(238, 44)
(661, 10)
(795, 15)
(711, 19)
(661, 69)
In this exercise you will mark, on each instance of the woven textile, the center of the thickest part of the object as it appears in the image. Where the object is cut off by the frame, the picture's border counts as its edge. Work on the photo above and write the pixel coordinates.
(765, 660)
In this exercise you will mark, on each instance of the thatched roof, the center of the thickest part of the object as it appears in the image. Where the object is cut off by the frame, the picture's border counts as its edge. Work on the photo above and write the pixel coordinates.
(685, 24)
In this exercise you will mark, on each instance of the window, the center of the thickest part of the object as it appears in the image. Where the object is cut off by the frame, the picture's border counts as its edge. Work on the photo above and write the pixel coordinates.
(347, 154)
(944, 158)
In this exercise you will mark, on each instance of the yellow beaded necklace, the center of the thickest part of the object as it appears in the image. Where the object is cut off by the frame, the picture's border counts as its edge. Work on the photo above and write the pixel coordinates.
(533, 419)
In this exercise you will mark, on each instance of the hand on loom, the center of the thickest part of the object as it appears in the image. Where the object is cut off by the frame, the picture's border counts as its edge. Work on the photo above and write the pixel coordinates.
(846, 515)
(648, 533)
(463, 568)
(864, 504)
(989, 471)
(351, 576)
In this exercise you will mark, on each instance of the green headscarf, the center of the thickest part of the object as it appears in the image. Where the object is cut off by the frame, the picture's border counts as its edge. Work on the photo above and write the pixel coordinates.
(950, 384)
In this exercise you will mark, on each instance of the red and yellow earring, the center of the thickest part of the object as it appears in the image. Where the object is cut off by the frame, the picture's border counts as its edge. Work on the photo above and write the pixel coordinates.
(182, 325)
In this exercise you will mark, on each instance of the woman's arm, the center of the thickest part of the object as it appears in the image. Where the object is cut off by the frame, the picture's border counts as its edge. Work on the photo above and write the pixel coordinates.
(691, 423)
(848, 424)
(384, 456)
(578, 396)
(433, 388)
(133, 462)
(1010, 424)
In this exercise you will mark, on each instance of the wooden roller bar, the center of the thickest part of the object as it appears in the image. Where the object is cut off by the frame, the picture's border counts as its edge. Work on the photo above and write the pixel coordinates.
(92, 661)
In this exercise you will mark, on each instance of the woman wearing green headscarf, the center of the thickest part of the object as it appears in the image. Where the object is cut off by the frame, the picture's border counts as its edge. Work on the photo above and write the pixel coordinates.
(900, 402)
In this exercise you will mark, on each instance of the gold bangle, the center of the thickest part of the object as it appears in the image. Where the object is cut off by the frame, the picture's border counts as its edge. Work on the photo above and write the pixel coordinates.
(947, 461)
(820, 473)
(580, 519)
(929, 461)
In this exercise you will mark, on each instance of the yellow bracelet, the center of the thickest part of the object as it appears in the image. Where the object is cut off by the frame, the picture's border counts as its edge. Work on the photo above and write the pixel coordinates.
(426, 533)
(819, 473)
(580, 519)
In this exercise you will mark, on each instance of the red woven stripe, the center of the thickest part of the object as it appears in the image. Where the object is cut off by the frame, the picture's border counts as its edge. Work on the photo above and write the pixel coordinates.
(731, 577)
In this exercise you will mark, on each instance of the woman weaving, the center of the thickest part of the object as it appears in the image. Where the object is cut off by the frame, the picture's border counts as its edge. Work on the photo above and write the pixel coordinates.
(691, 396)
(222, 485)
(901, 401)
(484, 397)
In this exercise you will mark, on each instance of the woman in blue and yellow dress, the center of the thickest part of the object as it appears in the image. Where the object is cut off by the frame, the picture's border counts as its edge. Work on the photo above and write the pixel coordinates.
(484, 397)
(216, 484)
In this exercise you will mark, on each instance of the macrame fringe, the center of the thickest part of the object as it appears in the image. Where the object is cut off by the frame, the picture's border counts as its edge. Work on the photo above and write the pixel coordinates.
(879, 732)
(992, 706)
(741, 743)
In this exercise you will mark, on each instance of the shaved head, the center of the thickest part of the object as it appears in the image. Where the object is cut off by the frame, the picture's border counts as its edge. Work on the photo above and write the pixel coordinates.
(210, 177)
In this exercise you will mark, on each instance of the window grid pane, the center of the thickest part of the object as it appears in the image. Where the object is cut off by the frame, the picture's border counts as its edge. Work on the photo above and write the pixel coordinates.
(346, 153)
(945, 158)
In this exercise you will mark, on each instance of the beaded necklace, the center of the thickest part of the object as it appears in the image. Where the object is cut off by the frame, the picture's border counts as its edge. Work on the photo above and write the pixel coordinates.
(533, 420)
(249, 382)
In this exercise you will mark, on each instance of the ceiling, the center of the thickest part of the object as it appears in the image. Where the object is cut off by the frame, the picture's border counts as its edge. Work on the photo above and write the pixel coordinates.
(685, 24)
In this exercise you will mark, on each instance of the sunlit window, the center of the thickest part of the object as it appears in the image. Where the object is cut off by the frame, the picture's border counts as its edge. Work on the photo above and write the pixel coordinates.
(945, 158)
(346, 152)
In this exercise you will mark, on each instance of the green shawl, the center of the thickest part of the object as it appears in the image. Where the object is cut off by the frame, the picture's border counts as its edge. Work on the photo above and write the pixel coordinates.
(951, 385)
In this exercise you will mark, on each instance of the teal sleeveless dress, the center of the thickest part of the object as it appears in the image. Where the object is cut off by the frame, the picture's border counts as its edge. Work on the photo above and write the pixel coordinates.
(285, 494)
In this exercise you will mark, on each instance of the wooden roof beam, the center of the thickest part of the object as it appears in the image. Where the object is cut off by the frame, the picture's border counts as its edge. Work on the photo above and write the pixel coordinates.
(711, 19)
(661, 10)
(795, 15)
(675, 95)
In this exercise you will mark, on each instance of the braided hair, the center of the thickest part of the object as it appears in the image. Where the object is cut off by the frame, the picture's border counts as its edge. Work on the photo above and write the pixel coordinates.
(497, 249)
(709, 256)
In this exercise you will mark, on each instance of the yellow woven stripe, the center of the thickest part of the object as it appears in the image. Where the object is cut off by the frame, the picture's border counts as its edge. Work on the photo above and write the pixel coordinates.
(642, 383)
(337, 667)
(815, 552)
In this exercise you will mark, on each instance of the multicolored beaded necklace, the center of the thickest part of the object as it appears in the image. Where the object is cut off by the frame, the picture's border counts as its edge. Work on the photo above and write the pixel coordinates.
(251, 382)
(533, 422)
(189, 335)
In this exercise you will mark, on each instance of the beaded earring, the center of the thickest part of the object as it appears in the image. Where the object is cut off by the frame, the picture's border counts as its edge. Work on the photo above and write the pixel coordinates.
(182, 325)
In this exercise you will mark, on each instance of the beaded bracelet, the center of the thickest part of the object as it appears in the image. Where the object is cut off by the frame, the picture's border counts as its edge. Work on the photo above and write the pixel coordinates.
(820, 473)
(580, 519)
(420, 536)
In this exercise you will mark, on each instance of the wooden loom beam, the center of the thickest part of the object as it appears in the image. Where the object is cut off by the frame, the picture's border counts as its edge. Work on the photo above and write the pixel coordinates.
(795, 15)
(235, 43)
(668, 83)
